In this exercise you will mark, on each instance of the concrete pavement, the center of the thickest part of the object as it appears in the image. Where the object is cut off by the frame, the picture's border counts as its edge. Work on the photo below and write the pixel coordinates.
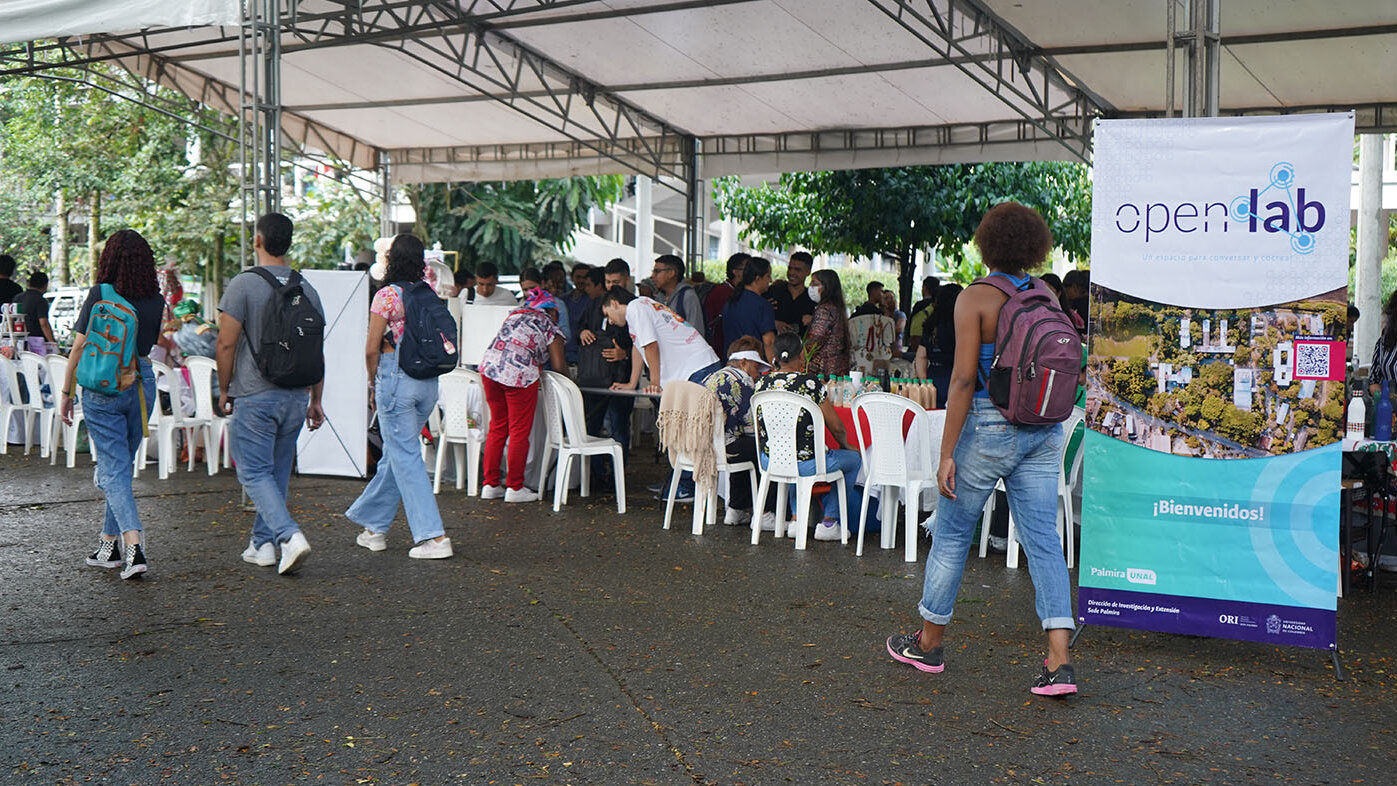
(591, 648)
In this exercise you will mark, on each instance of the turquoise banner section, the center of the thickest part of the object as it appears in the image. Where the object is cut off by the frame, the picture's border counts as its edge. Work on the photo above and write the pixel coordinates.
(1261, 530)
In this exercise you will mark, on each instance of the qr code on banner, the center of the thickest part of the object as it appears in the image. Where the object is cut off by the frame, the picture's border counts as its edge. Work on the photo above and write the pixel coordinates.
(1312, 361)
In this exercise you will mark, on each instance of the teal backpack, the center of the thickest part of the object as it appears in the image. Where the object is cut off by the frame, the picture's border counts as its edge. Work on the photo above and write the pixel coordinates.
(108, 361)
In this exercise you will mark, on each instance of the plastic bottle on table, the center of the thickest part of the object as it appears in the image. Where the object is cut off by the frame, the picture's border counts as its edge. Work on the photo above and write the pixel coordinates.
(1382, 414)
(1354, 428)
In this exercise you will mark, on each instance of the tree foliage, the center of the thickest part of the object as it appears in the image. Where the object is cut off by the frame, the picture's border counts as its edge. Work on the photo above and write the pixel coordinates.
(896, 211)
(510, 223)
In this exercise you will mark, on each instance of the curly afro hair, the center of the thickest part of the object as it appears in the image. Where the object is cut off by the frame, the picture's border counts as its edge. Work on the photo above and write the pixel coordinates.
(1013, 238)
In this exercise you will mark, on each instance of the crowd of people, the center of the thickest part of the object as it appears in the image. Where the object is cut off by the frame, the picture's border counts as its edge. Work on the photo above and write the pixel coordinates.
(745, 335)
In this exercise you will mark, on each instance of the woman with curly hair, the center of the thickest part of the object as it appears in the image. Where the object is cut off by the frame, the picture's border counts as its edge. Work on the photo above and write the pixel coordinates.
(981, 447)
(404, 403)
(116, 421)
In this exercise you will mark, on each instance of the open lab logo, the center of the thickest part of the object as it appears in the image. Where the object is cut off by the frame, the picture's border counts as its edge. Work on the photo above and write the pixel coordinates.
(1139, 576)
(1277, 207)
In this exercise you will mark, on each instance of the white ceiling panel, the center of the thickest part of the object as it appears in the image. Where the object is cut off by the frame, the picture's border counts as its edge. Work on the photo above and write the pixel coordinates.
(480, 123)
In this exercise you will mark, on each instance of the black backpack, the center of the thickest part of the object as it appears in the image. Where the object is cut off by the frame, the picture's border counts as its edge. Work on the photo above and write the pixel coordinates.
(290, 349)
(428, 347)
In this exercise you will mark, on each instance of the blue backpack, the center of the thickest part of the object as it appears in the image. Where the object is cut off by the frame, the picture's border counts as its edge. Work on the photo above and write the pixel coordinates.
(108, 361)
(428, 348)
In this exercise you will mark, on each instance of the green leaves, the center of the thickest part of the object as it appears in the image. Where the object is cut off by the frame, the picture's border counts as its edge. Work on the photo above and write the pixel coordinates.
(868, 211)
(512, 224)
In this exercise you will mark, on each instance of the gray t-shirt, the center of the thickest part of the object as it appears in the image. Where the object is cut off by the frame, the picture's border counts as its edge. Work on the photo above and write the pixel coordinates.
(246, 297)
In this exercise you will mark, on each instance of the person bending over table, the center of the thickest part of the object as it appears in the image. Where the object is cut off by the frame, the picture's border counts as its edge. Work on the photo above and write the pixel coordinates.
(509, 372)
(732, 384)
(791, 375)
(667, 345)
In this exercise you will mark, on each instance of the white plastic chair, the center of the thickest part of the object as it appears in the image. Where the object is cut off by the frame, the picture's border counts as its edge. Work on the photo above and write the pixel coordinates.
(1066, 477)
(13, 404)
(62, 435)
(885, 462)
(778, 412)
(706, 497)
(163, 426)
(453, 392)
(35, 372)
(567, 427)
(201, 374)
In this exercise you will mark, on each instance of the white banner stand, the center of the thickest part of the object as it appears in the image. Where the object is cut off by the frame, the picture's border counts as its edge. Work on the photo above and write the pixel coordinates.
(340, 446)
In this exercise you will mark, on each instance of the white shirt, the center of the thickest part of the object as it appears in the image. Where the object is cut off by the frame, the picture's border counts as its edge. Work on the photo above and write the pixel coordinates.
(500, 297)
(682, 348)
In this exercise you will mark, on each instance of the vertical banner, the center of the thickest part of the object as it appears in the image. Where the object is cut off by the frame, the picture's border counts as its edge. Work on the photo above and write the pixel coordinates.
(1215, 382)
(340, 447)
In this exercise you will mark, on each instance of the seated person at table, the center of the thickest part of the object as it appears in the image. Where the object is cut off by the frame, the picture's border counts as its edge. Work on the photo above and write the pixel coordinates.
(195, 337)
(732, 384)
(790, 375)
(667, 345)
(509, 373)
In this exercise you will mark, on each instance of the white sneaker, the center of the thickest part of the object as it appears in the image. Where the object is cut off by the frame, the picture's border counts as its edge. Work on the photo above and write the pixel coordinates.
(827, 530)
(736, 518)
(491, 492)
(999, 545)
(373, 541)
(293, 553)
(768, 522)
(262, 556)
(431, 549)
(520, 495)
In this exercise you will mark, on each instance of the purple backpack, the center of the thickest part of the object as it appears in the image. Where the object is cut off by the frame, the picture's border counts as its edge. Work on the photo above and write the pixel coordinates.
(1037, 355)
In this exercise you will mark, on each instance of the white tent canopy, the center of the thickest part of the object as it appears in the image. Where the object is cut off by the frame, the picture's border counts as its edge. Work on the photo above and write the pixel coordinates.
(483, 89)
(22, 20)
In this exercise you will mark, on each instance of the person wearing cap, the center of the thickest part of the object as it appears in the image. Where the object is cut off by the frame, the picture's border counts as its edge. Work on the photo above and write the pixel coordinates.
(195, 337)
(733, 384)
(510, 372)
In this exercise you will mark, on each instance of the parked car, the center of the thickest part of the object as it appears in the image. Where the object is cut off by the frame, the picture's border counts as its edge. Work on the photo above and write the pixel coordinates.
(64, 304)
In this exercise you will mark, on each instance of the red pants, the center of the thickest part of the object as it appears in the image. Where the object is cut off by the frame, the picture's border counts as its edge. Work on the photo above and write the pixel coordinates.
(511, 420)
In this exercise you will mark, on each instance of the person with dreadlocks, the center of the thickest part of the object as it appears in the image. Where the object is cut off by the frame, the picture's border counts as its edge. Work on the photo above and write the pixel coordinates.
(116, 421)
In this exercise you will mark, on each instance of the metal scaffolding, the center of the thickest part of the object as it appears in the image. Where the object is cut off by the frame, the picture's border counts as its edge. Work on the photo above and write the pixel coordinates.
(968, 35)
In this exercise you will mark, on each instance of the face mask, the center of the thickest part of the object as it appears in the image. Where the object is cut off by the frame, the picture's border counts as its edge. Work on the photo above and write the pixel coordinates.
(814, 292)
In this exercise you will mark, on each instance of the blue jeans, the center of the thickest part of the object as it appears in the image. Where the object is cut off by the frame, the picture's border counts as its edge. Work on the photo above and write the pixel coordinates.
(263, 432)
(404, 404)
(114, 429)
(1028, 458)
(845, 461)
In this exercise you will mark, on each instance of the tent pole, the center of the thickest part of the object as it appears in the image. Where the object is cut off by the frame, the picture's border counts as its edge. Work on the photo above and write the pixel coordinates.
(385, 171)
(1372, 245)
(694, 203)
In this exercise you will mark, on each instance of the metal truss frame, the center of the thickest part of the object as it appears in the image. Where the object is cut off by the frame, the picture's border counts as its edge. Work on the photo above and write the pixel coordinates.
(1006, 64)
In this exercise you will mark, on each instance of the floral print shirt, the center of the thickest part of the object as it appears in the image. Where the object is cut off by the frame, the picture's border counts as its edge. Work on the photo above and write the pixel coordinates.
(520, 349)
(733, 388)
(806, 385)
(829, 334)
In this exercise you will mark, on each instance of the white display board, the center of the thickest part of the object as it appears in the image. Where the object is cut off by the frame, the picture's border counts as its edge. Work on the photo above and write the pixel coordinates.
(340, 446)
(479, 325)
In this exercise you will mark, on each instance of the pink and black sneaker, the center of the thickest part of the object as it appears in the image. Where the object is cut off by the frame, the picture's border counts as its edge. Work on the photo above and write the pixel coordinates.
(906, 648)
(1059, 682)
